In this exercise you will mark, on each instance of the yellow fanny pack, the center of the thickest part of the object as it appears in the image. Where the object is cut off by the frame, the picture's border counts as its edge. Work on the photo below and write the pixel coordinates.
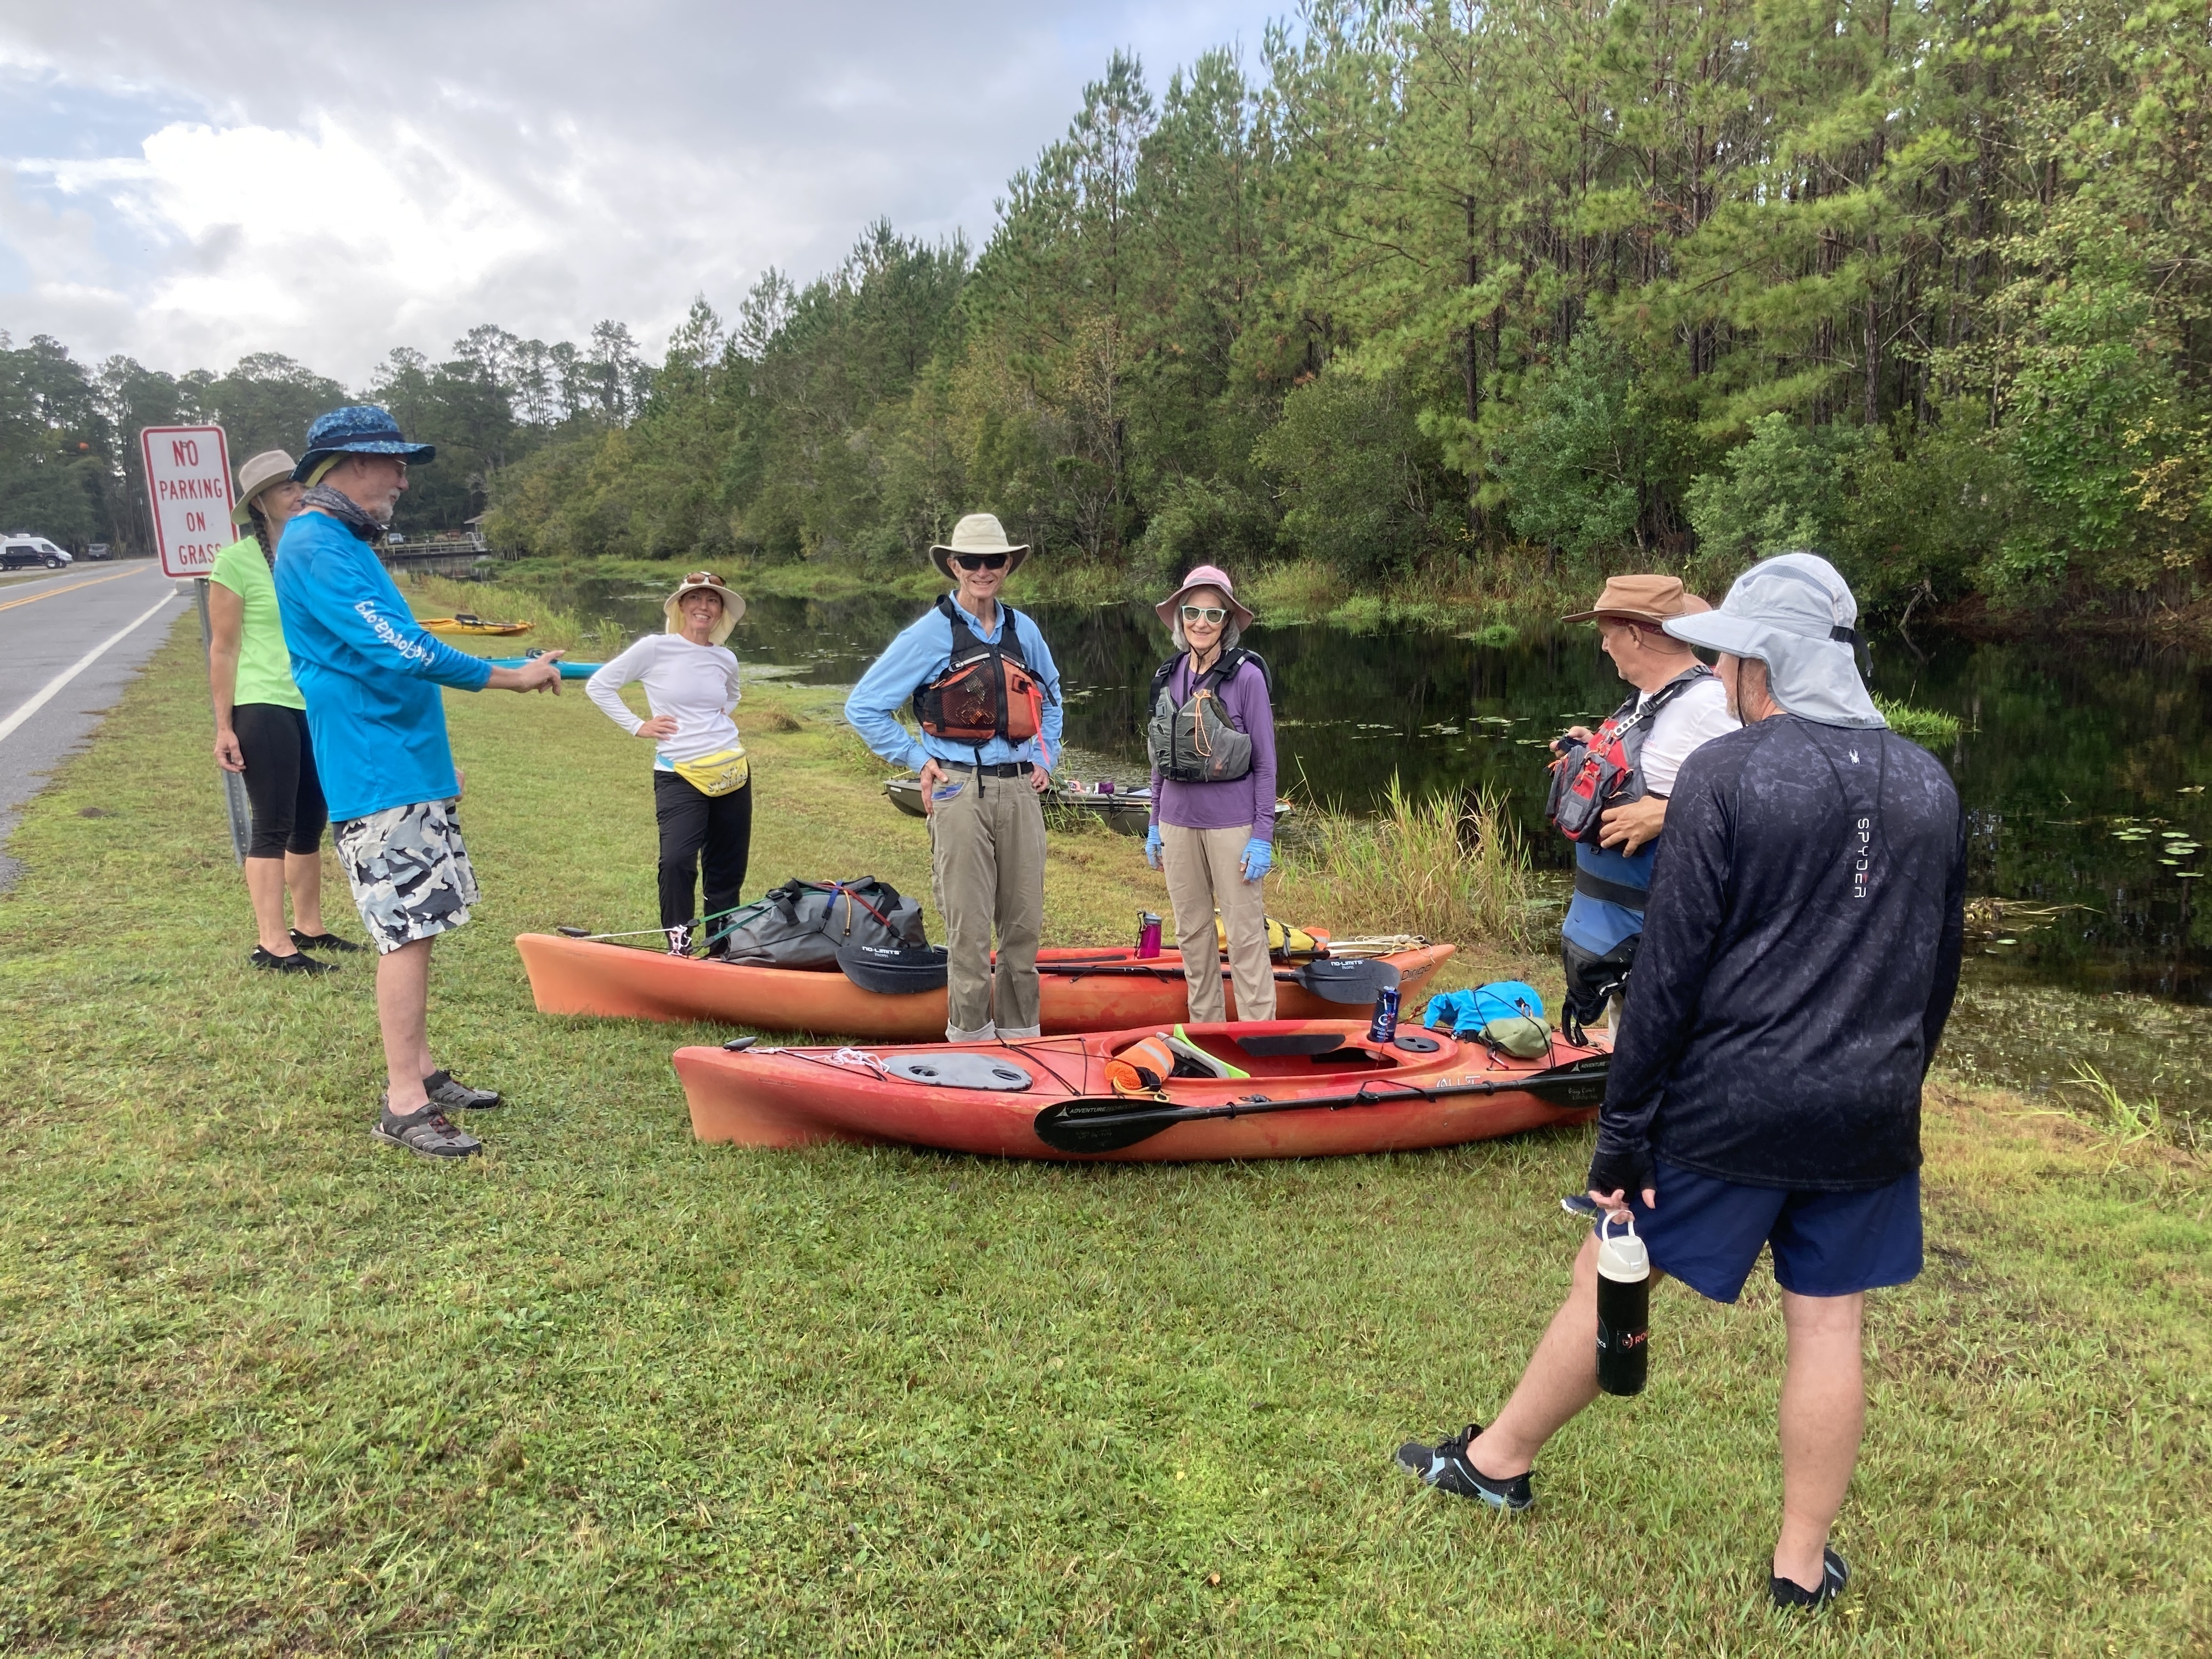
(717, 774)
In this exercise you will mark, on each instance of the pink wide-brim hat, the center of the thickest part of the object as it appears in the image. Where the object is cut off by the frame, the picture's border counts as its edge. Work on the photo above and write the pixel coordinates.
(1205, 575)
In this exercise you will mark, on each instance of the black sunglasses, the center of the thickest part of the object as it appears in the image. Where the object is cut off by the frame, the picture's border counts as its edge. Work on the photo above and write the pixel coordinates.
(979, 561)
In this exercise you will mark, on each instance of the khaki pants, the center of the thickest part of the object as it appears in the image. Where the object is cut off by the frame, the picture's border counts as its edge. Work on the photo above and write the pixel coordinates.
(986, 845)
(1202, 877)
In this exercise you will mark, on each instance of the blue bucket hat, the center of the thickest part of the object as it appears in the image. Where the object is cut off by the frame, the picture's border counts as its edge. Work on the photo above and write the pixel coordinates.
(357, 429)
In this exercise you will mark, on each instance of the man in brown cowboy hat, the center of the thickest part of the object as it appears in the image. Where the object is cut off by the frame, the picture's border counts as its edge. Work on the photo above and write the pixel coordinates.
(983, 688)
(1626, 770)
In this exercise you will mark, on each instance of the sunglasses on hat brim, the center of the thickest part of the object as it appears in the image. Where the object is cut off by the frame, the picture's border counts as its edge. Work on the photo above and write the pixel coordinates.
(1205, 613)
(979, 561)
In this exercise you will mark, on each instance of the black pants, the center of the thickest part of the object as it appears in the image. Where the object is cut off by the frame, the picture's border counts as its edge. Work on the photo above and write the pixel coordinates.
(287, 797)
(1591, 978)
(720, 826)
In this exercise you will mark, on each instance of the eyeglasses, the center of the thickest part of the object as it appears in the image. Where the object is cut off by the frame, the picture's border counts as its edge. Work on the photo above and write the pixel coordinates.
(979, 561)
(1205, 613)
(702, 578)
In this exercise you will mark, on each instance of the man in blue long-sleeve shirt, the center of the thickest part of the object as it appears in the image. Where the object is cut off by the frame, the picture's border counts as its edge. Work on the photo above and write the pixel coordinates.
(372, 678)
(1800, 956)
(983, 688)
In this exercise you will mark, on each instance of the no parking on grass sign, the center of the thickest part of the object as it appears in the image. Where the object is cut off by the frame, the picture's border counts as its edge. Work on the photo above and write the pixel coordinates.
(188, 485)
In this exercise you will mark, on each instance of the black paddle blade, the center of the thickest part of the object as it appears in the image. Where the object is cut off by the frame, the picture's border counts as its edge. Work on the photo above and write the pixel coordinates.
(1100, 1126)
(1348, 979)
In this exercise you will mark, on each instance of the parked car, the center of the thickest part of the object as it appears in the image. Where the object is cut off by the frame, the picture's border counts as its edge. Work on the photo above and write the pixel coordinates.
(23, 549)
(98, 550)
(393, 539)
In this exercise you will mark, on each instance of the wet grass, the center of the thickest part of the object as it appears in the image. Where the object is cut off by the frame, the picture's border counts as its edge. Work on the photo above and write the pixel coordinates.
(265, 1389)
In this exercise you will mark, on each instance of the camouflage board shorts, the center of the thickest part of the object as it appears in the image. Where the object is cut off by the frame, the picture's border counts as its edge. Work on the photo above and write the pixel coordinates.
(411, 873)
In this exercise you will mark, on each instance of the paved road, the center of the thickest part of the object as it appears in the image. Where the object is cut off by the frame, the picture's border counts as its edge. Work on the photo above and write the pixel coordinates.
(48, 629)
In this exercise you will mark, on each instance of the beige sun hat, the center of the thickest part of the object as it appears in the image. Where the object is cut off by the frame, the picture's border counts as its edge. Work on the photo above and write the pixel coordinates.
(979, 533)
(1649, 598)
(705, 581)
(255, 474)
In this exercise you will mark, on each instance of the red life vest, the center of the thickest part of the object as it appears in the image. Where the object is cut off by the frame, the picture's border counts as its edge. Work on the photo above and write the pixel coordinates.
(986, 691)
(1605, 772)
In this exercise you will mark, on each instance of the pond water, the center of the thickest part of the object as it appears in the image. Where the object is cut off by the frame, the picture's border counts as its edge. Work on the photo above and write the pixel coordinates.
(2082, 763)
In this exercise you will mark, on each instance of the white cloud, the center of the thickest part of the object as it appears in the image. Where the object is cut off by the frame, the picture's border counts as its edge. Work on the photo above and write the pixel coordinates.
(370, 180)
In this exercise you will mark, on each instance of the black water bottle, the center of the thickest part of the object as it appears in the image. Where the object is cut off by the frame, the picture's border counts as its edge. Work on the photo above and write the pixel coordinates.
(1624, 1309)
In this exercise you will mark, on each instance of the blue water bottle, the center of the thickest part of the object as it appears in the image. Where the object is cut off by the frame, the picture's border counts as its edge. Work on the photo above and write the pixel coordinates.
(1385, 1027)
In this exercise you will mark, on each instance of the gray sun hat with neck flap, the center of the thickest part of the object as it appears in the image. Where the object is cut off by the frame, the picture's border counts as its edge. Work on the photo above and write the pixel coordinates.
(1795, 613)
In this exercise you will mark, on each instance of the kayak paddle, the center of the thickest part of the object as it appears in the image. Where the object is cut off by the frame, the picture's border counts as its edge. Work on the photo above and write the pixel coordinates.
(1092, 1124)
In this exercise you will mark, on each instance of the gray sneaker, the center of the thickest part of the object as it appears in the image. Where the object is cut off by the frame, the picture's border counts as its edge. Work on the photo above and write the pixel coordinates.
(426, 1133)
(449, 1093)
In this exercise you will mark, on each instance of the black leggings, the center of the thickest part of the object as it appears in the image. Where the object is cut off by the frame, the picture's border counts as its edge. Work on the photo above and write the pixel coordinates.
(288, 814)
(720, 825)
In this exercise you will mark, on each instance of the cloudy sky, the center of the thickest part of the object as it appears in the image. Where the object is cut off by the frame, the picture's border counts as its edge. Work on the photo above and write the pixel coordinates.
(188, 182)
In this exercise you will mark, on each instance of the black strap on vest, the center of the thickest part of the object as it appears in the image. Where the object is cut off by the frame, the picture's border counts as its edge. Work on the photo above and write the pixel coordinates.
(1225, 667)
(1009, 639)
(1591, 885)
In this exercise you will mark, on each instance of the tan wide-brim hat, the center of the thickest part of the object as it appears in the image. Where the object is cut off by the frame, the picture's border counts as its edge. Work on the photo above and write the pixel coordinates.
(255, 474)
(979, 533)
(1650, 600)
(705, 581)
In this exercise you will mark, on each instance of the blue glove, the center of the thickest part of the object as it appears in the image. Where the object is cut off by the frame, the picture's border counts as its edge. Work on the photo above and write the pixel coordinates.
(1259, 856)
(1152, 846)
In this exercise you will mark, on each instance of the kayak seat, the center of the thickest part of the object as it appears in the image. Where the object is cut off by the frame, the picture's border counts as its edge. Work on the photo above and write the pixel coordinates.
(960, 1070)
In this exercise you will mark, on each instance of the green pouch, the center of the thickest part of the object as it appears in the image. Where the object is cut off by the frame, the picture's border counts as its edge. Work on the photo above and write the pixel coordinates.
(1519, 1036)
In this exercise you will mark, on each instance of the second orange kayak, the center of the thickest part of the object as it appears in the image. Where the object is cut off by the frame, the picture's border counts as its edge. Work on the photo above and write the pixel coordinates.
(1081, 990)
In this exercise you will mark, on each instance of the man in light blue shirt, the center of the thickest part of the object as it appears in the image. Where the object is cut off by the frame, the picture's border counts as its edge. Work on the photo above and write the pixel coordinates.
(376, 714)
(981, 682)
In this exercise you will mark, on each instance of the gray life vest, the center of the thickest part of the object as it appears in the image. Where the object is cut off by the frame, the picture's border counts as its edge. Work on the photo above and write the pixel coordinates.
(1197, 742)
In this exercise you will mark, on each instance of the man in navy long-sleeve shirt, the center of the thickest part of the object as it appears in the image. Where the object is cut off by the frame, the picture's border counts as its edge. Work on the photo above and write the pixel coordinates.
(376, 716)
(1799, 959)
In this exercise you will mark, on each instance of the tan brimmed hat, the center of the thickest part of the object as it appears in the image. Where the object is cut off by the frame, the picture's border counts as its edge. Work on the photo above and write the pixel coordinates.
(1650, 600)
(255, 474)
(705, 581)
(979, 533)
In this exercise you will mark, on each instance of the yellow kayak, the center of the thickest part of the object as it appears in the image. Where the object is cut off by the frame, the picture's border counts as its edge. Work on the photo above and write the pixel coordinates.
(465, 624)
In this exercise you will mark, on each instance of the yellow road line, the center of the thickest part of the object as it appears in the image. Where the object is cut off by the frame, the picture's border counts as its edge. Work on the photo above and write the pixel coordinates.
(32, 598)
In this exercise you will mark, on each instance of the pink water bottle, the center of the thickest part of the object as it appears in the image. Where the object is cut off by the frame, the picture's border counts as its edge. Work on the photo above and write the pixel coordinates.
(1148, 935)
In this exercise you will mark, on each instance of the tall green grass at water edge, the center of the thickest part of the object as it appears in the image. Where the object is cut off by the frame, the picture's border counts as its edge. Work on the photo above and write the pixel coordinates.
(1452, 866)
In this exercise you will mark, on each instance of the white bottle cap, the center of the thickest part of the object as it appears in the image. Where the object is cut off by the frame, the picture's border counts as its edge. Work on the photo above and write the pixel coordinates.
(1621, 1257)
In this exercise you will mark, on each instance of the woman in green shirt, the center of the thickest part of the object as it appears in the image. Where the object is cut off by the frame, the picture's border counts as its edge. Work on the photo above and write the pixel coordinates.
(261, 726)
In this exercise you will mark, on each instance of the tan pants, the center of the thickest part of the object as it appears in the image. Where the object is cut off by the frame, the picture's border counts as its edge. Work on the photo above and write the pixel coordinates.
(1201, 867)
(986, 845)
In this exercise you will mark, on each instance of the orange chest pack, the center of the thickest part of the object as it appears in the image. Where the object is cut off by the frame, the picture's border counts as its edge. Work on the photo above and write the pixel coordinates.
(1607, 771)
(986, 691)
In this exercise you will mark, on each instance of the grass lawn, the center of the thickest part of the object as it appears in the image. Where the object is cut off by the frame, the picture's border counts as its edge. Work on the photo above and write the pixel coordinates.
(266, 1387)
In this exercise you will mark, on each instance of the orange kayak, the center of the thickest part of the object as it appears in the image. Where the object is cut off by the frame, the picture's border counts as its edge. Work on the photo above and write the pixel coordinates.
(1092, 990)
(1313, 1088)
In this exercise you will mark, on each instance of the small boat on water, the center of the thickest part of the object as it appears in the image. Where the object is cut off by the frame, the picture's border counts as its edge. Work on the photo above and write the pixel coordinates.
(569, 671)
(1302, 1088)
(463, 623)
(1129, 811)
(1080, 990)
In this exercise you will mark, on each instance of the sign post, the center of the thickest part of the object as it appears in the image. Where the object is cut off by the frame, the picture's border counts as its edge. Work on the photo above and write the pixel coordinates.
(188, 488)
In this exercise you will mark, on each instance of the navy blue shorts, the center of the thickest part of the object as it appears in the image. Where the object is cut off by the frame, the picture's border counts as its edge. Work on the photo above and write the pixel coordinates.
(1707, 1233)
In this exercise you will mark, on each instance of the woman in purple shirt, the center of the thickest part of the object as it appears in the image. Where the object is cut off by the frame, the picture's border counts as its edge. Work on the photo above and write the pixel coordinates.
(1211, 734)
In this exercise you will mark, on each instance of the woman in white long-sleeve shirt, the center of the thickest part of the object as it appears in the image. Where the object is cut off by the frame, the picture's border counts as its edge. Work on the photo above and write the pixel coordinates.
(702, 791)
